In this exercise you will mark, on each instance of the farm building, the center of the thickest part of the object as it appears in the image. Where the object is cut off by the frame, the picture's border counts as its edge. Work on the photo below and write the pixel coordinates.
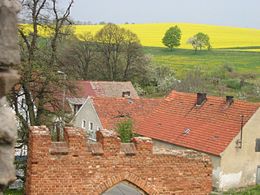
(226, 129)
(106, 112)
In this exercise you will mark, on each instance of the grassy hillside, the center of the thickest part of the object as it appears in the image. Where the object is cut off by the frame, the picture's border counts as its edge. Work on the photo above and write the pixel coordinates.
(221, 36)
(212, 64)
(184, 59)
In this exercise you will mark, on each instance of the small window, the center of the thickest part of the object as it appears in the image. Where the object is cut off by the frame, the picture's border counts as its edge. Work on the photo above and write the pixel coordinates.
(257, 145)
(91, 126)
(83, 124)
(77, 107)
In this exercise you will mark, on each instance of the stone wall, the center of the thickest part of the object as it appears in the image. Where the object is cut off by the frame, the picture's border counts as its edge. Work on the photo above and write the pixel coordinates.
(78, 167)
(9, 57)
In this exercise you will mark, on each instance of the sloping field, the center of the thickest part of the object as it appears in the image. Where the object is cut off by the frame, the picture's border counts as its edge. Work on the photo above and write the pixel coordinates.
(221, 36)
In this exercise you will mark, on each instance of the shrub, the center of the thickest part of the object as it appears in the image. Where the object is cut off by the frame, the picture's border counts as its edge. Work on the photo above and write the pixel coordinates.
(124, 129)
(233, 84)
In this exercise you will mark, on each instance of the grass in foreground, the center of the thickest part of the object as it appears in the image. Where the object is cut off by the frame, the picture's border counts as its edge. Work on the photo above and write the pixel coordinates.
(13, 192)
(245, 191)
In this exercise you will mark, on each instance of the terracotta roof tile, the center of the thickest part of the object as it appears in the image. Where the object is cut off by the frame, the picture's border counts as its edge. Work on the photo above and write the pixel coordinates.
(113, 110)
(103, 89)
(208, 128)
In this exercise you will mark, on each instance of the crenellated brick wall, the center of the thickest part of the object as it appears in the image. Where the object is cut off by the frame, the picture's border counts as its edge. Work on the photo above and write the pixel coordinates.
(78, 167)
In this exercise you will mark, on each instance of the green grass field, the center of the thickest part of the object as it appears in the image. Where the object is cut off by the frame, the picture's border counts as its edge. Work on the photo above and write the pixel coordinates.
(182, 60)
(210, 63)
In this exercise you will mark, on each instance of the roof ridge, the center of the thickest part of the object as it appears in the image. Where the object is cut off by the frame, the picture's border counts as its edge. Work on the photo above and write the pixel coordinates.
(174, 93)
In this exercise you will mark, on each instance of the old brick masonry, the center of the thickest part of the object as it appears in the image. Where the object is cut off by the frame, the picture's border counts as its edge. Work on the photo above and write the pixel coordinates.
(76, 167)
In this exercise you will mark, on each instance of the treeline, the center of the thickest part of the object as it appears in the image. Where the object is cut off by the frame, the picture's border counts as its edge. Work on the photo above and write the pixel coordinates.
(113, 53)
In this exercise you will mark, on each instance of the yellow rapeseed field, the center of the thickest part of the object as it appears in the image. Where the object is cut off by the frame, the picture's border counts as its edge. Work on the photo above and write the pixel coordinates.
(220, 36)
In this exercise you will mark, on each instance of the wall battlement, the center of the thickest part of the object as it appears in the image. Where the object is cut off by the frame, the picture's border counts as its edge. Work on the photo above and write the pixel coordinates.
(78, 167)
(75, 141)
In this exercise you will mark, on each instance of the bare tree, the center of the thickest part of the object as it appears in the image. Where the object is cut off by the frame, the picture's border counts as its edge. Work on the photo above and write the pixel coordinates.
(40, 82)
(79, 55)
(114, 53)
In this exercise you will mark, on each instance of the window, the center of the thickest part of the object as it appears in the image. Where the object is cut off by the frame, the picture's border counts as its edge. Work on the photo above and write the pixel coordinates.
(77, 107)
(91, 126)
(257, 145)
(83, 124)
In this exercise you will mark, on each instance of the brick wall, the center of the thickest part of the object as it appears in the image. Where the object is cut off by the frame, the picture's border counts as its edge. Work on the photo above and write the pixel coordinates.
(76, 167)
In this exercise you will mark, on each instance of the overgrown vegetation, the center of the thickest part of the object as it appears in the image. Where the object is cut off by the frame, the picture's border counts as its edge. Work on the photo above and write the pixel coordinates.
(125, 130)
(217, 72)
(13, 192)
(255, 190)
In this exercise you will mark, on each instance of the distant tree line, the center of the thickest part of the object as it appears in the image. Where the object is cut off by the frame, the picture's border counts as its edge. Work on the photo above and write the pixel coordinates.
(113, 53)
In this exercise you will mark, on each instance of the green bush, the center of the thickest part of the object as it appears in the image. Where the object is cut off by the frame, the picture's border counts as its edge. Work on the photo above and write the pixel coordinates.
(233, 84)
(124, 129)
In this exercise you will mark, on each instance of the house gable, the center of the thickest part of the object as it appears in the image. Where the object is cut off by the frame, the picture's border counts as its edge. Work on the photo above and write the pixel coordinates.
(239, 161)
(87, 114)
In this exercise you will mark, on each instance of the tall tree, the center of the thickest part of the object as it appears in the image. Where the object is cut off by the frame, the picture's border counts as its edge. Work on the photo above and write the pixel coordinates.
(114, 53)
(79, 55)
(172, 37)
(110, 42)
(39, 79)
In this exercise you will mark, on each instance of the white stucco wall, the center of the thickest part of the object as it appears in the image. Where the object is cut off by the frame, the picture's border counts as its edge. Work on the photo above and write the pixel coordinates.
(239, 165)
(88, 113)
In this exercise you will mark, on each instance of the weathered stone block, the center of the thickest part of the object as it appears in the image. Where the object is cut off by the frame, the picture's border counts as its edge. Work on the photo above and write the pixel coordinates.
(7, 141)
(9, 52)
(7, 81)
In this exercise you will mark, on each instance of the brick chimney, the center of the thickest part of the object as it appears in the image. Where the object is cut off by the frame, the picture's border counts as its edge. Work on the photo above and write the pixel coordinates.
(229, 100)
(126, 94)
(201, 98)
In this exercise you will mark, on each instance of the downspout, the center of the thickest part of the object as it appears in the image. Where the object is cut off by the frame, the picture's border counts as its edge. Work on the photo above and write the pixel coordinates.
(241, 130)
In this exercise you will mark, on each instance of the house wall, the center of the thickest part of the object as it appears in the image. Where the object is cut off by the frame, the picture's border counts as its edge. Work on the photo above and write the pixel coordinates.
(214, 159)
(239, 165)
(88, 113)
(77, 167)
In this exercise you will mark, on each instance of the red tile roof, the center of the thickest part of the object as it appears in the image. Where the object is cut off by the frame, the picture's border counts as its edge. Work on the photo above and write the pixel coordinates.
(104, 89)
(84, 89)
(208, 128)
(79, 90)
(113, 110)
